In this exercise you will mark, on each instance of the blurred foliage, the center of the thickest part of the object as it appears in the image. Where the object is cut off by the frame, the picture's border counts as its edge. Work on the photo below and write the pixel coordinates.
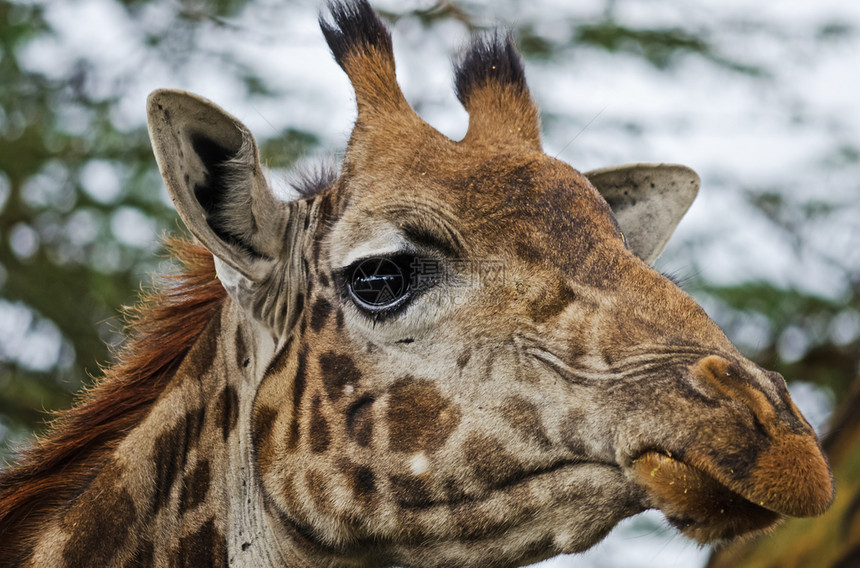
(75, 182)
(60, 263)
(81, 206)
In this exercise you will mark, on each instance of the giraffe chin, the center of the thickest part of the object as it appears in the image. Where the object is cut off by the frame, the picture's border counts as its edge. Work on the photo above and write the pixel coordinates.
(698, 505)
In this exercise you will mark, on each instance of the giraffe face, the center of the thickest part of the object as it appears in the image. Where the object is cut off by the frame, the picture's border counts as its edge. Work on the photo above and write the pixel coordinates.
(476, 364)
(516, 370)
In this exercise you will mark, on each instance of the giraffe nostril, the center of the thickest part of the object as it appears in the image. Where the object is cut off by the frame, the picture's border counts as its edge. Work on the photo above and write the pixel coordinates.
(729, 380)
(718, 370)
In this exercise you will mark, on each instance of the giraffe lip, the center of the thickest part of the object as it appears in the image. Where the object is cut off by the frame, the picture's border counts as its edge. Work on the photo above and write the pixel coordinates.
(557, 467)
(696, 502)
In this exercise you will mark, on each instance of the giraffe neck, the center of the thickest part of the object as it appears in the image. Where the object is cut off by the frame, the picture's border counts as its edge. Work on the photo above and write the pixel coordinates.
(182, 484)
(249, 536)
(253, 534)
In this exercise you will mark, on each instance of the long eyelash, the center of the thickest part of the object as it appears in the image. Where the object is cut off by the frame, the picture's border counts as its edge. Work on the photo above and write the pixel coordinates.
(677, 279)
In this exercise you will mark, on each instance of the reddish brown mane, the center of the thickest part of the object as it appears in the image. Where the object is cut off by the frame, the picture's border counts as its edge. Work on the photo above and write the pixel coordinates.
(162, 328)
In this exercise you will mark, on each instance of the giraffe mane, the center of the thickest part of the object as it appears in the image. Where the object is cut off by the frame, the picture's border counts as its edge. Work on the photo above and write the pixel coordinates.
(162, 327)
(309, 179)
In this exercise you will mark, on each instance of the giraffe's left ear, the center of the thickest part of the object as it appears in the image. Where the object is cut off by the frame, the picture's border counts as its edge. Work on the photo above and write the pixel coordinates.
(648, 201)
(210, 164)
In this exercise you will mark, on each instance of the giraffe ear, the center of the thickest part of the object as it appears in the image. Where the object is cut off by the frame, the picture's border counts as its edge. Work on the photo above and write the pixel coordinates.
(648, 201)
(210, 164)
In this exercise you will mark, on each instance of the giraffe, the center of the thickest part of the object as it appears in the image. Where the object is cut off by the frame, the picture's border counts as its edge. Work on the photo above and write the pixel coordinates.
(450, 353)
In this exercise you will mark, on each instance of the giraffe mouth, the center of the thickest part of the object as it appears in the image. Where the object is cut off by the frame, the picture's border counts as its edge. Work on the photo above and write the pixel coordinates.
(696, 503)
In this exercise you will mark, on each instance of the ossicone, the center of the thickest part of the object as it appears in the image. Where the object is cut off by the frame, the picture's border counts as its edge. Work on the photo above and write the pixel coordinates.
(361, 45)
(491, 83)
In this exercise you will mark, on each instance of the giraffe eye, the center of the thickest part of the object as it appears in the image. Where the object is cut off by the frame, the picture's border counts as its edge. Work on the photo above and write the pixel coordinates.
(380, 284)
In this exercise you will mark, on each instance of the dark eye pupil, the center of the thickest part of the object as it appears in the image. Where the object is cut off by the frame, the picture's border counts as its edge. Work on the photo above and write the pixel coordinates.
(378, 282)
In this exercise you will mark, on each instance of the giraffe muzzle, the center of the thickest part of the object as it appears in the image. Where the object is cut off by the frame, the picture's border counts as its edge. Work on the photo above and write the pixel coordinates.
(763, 462)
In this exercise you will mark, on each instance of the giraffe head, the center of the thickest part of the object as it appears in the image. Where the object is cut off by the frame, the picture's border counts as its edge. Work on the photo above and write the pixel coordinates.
(476, 364)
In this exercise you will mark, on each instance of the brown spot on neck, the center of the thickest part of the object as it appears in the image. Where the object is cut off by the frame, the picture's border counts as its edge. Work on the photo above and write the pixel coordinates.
(205, 547)
(171, 450)
(361, 480)
(411, 491)
(320, 313)
(463, 358)
(491, 463)
(359, 421)
(227, 410)
(144, 556)
(262, 425)
(242, 359)
(418, 417)
(317, 486)
(319, 434)
(195, 486)
(100, 521)
(338, 370)
(525, 418)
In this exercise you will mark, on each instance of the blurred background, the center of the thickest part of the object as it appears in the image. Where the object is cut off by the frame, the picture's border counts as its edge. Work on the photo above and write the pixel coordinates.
(762, 99)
